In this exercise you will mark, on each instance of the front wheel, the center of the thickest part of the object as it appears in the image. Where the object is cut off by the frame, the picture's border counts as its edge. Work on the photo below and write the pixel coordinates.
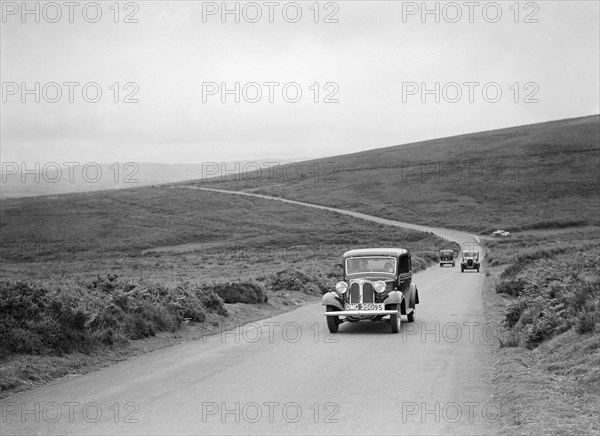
(411, 316)
(333, 322)
(395, 318)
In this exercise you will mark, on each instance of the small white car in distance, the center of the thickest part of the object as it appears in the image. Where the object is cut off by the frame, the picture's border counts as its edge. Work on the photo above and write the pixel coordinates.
(501, 234)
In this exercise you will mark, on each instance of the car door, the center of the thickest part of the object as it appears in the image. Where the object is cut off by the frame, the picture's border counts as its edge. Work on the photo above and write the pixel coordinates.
(404, 273)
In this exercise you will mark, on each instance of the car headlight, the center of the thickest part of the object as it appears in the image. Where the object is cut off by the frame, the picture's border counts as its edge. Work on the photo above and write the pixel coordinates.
(379, 286)
(341, 287)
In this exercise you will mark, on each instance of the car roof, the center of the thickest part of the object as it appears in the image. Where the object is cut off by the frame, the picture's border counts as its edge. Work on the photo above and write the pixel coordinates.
(375, 252)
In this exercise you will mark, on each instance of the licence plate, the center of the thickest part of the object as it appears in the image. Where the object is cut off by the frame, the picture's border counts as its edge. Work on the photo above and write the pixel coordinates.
(364, 306)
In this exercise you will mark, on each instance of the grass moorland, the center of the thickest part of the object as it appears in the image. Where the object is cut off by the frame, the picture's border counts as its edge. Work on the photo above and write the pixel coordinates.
(85, 276)
(535, 176)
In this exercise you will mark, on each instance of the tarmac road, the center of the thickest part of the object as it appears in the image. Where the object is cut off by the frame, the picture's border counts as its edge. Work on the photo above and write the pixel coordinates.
(288, 375)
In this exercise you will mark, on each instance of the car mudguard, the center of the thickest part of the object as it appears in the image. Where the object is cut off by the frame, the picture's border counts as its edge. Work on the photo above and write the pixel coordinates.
(394, 297)
(411, 296)
(332, 299)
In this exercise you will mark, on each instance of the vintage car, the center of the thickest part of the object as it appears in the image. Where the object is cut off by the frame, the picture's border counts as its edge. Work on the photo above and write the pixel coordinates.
(501, 234)
(447, 257)
(470, 260)
(377, 286)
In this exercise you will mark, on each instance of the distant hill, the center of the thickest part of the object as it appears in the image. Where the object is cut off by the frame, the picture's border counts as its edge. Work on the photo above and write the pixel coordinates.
(535, 176)
(52, 180)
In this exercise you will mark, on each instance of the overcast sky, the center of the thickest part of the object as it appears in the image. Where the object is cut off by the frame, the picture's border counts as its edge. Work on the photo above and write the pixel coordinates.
(370, 59)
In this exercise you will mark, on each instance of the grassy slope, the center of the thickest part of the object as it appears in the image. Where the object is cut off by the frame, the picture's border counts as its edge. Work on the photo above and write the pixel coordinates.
(204, 236)
(549, 177)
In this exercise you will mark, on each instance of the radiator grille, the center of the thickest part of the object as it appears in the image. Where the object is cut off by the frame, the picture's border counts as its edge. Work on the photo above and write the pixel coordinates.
(354, 293)
(368, 293)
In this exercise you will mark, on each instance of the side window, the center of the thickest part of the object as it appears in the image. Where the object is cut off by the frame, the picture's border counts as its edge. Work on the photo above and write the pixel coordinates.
(404, 264)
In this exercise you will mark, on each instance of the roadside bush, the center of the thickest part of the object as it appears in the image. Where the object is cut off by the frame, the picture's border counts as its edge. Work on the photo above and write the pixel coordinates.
(523, 262)
(295, 280)
(586, 305)
(512, 287)
(57, 318)
(211, 301)
(249, 292)
(424, 260)
(554, 291)
(514, 312)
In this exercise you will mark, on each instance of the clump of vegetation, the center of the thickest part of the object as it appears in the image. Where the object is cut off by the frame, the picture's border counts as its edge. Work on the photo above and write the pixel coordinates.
(525, 260)
(296, 280)
(249, 292)
(512, 287)
(57, 318)
(423, 260)
(554, 291)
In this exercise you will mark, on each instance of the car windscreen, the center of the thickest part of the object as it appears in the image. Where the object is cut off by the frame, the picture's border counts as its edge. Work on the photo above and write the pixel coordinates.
(447, 252)
(360, 265)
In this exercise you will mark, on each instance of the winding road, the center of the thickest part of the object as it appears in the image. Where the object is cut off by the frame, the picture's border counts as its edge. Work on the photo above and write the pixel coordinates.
(288, 375)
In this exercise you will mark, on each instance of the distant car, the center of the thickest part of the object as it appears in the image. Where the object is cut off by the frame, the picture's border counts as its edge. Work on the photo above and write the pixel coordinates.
(447, 257)
(501, 234)
(377, 286)
(470, 260)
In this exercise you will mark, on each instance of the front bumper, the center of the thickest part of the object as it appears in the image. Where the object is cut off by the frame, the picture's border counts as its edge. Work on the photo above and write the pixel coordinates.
(360, 312)
(474, 266)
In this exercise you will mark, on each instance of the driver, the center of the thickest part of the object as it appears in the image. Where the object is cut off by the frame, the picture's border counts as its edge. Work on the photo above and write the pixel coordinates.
(363, 265)
(388, 267)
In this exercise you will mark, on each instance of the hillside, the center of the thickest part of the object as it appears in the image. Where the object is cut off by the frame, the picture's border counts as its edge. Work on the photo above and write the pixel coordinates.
(535, 176)
(177, 234)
